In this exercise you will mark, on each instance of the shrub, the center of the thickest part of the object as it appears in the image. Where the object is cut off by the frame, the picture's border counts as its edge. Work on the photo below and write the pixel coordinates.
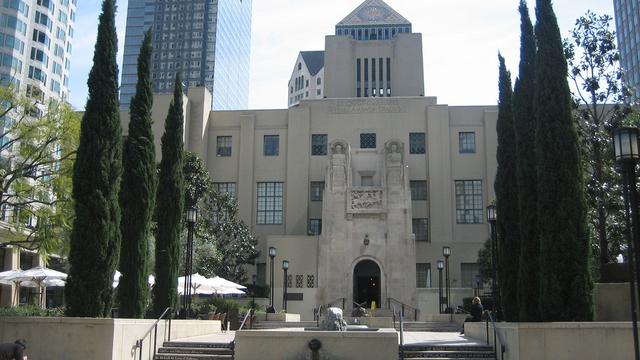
(30, 310)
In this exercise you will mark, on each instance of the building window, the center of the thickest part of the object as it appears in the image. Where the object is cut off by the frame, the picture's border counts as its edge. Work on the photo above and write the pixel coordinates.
(223, 147)
(319, 144)
(423, 275)
(271, 146)
(420, 229)
(299, 281)
(317, 188)
(311, 281)
(418, 190)
(469, 271)
(469, 202)
(318, 92)
(368, 141)
(228, 188)
(299, 66)
(318, 81)
(269, 209)
(417, 143)
(315, 226)
(467, 142)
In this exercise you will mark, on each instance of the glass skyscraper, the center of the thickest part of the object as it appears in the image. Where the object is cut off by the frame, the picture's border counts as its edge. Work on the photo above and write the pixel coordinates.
(628, 29)
(208, 41)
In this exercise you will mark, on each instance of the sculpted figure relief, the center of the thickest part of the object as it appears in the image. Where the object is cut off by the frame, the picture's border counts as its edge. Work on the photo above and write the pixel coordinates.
(338, 164)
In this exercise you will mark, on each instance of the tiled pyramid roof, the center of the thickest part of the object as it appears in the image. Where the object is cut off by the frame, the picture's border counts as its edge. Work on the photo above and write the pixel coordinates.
(374, 12)
(314, 61)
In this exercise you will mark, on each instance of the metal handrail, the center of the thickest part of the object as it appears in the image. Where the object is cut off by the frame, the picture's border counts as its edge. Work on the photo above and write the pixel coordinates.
(154, 328)
(249, 313)
(401, 317)
(403, 306)
(496, 336)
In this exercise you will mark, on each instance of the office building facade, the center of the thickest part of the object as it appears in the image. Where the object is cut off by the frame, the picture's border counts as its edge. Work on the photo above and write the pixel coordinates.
(36, 46)
(207, 41)
(627, 13)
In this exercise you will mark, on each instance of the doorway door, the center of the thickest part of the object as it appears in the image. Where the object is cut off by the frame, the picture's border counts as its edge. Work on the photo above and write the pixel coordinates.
(366, 283)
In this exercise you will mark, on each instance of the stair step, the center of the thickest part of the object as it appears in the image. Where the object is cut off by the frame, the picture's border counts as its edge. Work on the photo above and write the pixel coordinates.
(191, 357)
(187, 344)
(449, 355)
(195, 350)
(478, 348)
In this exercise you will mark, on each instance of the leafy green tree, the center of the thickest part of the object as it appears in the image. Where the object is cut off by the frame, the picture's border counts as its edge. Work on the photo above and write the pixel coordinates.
(95, 239)
(223, 244)
(170, 206)
(38, 151)
(506, 189)
(565, 280)
(137, 196)
(525, 129)
(594, 69)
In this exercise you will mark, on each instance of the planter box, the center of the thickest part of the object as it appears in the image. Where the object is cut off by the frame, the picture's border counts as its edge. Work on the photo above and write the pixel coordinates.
(95, 339)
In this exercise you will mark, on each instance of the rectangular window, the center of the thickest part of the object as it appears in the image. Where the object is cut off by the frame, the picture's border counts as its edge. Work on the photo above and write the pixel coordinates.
(228, 188)
(271, 145)
(469, 202)
(418, 189)
(423, 275)
(368, 141)
(366, 77)
(315, 226)
(388, 76)
(319, 144)
(420, 229)
(269, 209)
(358, 77)
(467, 142)
(223, 147)
(317, 189)
(469, 271)
(417, 143)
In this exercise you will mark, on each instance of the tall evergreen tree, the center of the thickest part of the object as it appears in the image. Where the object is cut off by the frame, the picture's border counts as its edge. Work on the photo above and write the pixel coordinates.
(565, 280)
(506, 189)
(95, 238)
(525, 129)
(170, 206)
(137, 197)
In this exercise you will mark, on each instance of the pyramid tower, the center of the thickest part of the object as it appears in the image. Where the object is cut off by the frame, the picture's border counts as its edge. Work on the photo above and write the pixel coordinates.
(373, 12)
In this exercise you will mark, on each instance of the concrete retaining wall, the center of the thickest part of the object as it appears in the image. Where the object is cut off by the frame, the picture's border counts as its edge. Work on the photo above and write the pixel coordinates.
(291, 345)
(559, 341)
(95, 339)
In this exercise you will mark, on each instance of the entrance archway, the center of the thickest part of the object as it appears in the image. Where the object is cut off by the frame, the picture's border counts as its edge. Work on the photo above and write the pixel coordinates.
(366, 283)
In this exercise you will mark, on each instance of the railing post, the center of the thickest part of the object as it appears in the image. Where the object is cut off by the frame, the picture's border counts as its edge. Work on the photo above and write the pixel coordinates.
(415, 314)
(155, 339)
(343, 300)
(487, 330)
(140, 348)
(402, 310)
(169, 333)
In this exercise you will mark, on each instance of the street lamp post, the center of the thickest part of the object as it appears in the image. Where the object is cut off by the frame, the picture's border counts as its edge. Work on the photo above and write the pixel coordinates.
(272, 255)
(440, 267)
(492, 217)
(285, 267)
(446, 252)
(192, 215)
(625, 143)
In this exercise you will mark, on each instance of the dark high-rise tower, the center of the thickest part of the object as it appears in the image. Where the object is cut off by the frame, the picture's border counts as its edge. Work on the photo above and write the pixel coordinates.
(208, 41)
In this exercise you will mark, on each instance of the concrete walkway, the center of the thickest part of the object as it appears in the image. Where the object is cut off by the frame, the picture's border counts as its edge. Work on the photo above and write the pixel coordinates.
(410, 338)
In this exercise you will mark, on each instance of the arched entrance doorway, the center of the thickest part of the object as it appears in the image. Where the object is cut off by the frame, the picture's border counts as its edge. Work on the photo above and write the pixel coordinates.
(366, 283)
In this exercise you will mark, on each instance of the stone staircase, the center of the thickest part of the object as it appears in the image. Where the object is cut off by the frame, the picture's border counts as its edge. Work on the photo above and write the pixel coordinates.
(175, 350)
(430, 326)
(268, 325)
(445, 352)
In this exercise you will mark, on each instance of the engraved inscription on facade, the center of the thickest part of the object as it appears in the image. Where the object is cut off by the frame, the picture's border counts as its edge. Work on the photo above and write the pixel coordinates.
(366, 200)
(366, 106)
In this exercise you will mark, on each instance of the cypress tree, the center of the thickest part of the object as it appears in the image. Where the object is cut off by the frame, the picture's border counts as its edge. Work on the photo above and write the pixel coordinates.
(565, 281)
(507, 199)
(170, 205)
(525, 129)
(95, 238)
(137, 197)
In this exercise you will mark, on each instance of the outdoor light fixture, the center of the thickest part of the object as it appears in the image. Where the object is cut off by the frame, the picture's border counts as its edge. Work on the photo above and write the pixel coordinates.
(625, 141)
(192, 216)
(625, 145)
(272, 255)
(366, 240)
(491, 213)
(285, 267)
(440, 267)
(446, 252)
(491, 218)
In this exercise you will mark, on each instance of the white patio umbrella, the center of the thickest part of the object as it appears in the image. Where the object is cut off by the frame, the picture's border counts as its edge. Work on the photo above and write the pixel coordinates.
(40, 275)
(218, 281)
(116, 279)
(199, 285)
(230, 291)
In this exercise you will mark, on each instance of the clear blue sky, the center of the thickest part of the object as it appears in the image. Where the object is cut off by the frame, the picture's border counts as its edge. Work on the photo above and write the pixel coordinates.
(461, 40)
